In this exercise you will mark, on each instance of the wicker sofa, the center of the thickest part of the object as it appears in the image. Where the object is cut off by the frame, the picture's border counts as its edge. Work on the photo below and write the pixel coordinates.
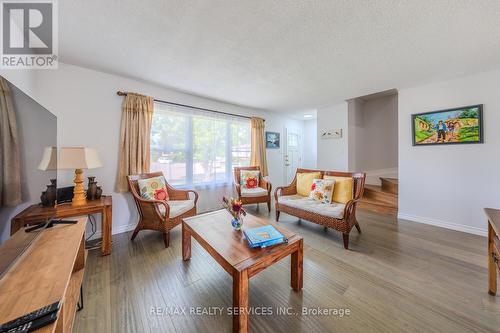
(338, 216)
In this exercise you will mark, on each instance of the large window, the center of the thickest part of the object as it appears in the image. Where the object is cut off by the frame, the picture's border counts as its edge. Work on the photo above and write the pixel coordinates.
(194, 147)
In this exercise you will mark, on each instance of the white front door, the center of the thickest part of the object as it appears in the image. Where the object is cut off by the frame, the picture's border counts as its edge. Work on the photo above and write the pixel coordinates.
(293, 156)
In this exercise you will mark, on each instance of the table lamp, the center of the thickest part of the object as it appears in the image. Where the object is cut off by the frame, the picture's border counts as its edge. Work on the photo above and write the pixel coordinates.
(49, 163)
(78, 158)
(49, 159)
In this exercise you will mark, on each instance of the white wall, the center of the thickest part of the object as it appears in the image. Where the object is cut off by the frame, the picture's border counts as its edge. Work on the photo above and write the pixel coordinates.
(89, 113)
(333, 153)
(450, 185)
(310, 144)
(373, 133)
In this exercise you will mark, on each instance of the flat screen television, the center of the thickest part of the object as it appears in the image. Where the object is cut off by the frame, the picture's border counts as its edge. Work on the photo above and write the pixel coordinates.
(35, 128)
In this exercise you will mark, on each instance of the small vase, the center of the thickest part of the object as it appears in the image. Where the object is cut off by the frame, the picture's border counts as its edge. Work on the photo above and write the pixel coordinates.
(98, 193)
(51, 195)
(92, 190)
(91, 180)
(237, 223)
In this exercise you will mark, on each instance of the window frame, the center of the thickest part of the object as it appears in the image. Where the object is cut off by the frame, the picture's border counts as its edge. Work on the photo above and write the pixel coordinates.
(229, 120)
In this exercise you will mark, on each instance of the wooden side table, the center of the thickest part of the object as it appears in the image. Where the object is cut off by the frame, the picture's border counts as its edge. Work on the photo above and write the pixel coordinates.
(37, 214)
(493, 248)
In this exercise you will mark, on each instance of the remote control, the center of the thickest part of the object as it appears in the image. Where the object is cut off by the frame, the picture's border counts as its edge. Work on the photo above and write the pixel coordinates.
(30, 317)
(35, 324)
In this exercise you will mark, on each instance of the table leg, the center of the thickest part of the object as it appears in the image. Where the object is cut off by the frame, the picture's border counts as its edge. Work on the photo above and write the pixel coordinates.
(240, 301)
(107, 220)
(297, 268)
(492, 269)
(186, 243)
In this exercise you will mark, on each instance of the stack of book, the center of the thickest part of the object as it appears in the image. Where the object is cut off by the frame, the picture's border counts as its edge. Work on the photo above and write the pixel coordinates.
(264, 236)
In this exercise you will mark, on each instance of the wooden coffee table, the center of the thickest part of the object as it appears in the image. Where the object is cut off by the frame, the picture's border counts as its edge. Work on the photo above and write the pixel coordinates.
(230, 249)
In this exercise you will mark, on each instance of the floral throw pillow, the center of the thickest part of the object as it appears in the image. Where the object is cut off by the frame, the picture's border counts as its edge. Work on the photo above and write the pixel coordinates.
(153, 188)
(328, 186)
(322, 190)
(251, 182)
(249, 178)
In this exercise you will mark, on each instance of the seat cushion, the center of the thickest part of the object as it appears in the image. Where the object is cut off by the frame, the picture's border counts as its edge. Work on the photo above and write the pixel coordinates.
(177, 207)
(335, 209)
(305, 181)
(253, 192)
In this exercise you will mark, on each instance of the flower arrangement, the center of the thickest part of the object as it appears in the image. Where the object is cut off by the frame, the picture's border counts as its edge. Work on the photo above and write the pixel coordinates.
(235, 208)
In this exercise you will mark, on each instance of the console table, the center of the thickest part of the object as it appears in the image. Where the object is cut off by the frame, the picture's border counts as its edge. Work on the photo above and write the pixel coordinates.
(493, 248)
(37, 213)
(50, 269)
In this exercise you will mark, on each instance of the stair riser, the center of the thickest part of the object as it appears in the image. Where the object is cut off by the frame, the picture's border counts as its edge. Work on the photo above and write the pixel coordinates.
(389, 186)
(390, 199)
(378, 208)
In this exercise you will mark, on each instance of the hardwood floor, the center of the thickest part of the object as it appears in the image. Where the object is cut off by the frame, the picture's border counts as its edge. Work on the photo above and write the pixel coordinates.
(396, 277)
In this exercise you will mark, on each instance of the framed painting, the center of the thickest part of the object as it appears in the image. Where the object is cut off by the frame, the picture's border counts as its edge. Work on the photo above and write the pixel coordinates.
(451, 126)
(272, 140)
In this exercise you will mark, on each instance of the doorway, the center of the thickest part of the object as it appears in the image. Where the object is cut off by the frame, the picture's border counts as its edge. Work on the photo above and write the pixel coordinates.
(292, 153)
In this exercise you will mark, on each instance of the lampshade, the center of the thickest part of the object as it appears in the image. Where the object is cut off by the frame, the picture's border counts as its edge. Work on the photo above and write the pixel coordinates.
(49, 159)
(78, 158)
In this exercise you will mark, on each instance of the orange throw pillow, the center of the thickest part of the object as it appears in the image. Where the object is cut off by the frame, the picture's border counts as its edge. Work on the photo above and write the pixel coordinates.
(251, 182)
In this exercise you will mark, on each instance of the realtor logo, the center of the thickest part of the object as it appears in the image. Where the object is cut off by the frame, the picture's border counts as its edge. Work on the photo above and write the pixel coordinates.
(29, 34)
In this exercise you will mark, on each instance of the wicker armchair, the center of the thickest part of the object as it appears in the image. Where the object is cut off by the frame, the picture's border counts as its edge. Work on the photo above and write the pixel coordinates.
(253, 198)
(161, 215)
(347, 217)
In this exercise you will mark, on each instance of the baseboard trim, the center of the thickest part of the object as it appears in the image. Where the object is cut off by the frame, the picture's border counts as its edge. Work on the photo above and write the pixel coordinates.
(116, 230)
(444, 224)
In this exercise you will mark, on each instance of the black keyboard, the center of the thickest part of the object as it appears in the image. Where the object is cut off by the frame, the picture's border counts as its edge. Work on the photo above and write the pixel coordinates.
(30, 317)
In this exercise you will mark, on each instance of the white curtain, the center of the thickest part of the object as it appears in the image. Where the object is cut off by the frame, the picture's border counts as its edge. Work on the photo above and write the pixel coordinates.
(198, 149)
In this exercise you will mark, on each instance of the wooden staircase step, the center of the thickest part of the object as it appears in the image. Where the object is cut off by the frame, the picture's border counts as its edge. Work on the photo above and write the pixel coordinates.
(378, 206)
(390, 185)
(378, 199)
(374, 192)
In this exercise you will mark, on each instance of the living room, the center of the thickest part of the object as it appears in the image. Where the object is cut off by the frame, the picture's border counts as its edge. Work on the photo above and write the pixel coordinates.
(335, 94)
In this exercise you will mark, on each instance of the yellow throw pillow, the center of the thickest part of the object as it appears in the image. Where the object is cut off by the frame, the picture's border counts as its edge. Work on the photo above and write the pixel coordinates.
(305, 181)
(343, 190)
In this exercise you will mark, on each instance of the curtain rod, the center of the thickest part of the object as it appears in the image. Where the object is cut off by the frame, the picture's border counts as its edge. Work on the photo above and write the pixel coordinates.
(123, 93)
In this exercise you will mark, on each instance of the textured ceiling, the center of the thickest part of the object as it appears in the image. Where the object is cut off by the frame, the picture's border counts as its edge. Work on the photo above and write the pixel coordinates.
(281, 55)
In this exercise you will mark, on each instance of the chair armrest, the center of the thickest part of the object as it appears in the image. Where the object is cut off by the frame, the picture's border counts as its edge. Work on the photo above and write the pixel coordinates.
(155, 203)
(265, 184)
(285, 190)
(195, 196)
(176, 194)
(349, 208)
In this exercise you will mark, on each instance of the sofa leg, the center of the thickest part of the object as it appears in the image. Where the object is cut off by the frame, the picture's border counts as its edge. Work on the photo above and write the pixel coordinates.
(345, 238)
(166, 238)
(277, 215)
(134, 234)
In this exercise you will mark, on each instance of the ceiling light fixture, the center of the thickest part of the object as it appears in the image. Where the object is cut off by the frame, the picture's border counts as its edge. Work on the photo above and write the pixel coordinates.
(308, 116)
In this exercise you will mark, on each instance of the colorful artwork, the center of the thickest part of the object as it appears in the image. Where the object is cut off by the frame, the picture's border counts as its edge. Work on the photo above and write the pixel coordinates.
(272, 140)
(460, 125)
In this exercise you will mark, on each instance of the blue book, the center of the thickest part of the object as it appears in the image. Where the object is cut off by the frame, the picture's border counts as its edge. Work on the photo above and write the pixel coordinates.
(264, 236)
